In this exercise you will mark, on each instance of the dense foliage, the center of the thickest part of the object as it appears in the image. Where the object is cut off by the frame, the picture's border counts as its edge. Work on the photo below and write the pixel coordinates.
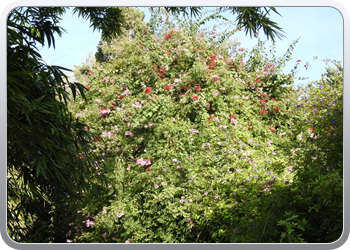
(174, 134)
(47, 148)
(208, 143)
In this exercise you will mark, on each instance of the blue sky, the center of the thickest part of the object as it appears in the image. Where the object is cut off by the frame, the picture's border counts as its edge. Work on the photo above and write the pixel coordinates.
(320, 30)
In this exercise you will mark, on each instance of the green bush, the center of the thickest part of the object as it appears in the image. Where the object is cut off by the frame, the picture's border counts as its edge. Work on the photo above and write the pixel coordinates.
(201, 145)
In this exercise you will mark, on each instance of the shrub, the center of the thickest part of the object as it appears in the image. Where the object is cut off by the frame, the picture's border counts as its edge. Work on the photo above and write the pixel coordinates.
(199, 140)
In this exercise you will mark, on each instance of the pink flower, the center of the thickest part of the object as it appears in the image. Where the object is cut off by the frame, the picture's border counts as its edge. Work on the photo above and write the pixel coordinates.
(127, 241)
(137, 105)
(89, 223)
(215, 78)
(143, 162)
(104, 212)
(233, 121)
(120, 215)
(129, 133)
(156, 186)
(205, 192)
(216, 196)
(193, 131)
(165, 133)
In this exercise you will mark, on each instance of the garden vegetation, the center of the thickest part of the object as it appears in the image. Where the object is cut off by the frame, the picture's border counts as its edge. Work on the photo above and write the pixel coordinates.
(180, 136)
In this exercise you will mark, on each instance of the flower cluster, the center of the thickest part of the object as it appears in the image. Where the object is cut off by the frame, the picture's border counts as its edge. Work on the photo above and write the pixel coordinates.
(143, 162)
(192, 131)
(89, 223)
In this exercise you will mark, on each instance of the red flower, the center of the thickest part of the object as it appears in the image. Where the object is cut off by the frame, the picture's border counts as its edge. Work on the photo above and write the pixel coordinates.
(197, 88)
(168, 36)
(167, 87)
(87, 128)
(211, 117)
(249, 127)
(233, 117)
(162, 71)
(263, 111)
(151, 159)
(148, 90)
(90, 73)
(312, 130)
(273, 130)
(195, 97)
(88, 87)
(148, 169)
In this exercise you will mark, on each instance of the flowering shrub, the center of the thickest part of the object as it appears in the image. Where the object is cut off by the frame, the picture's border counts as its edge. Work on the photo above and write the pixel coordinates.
(310, 210)
(198, 138)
